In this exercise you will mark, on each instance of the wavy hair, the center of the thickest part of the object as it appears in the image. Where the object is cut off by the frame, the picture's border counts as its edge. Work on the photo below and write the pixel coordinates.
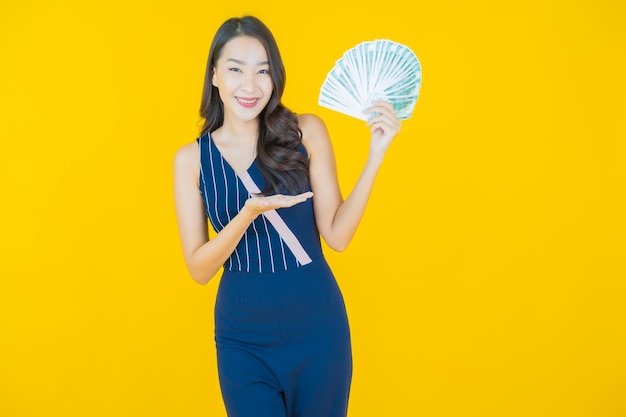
(284, 167)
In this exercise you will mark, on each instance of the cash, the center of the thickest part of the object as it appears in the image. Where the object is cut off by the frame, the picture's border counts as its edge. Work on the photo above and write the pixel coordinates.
(374, 70)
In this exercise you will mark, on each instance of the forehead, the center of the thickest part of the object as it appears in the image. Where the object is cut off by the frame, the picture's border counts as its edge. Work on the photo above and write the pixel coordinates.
(244, 48)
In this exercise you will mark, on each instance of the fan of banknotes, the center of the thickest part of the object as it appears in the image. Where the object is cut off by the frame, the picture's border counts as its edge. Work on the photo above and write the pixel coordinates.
(373, 70)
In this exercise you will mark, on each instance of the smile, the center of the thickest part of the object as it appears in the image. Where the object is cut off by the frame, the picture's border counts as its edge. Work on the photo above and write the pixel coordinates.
(247, 102)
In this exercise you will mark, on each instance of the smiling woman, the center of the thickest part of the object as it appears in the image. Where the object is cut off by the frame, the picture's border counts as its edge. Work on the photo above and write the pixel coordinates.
(258, 82)
(242, 73)
(281, 328)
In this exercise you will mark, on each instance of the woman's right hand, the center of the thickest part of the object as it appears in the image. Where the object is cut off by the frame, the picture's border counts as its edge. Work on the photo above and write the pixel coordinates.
(260, 204)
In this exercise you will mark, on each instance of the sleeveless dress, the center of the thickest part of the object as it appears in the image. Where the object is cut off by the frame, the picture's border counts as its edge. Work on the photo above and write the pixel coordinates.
(281, 328)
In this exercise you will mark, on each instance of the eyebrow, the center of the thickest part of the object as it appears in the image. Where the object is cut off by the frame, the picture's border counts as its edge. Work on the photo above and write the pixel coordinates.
(237, 61)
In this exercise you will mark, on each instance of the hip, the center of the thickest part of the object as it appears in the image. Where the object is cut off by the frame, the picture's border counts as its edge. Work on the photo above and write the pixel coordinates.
(280, 303)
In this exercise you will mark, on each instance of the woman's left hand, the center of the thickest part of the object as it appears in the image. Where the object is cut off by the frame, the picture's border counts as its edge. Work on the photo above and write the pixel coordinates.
(384, 126)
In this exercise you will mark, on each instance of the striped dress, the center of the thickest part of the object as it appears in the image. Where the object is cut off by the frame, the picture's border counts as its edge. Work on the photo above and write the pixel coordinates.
(261, 249)
(281, 328)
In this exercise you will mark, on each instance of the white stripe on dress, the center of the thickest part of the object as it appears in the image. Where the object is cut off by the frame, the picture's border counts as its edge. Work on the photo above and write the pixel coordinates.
(217, 218)
(258, 245)
(245, 235)
(282, 248)
(226, 207)
(269, 243)
(206, 197)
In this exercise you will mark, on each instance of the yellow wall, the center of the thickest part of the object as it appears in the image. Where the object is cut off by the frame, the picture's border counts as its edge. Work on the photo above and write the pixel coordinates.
(487, 278)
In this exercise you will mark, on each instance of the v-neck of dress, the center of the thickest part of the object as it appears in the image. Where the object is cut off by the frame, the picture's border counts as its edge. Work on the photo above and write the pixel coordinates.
(238, 174)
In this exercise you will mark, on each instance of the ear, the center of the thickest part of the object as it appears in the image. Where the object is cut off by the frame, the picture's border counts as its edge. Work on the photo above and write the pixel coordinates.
(213, 78)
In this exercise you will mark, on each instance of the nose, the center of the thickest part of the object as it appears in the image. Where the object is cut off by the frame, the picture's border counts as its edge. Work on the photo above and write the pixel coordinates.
(249, 82)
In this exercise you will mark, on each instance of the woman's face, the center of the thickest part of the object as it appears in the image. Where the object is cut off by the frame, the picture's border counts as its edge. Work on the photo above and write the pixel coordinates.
(242, 76)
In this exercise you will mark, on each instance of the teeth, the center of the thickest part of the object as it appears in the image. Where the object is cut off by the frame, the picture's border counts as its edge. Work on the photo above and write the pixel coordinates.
(246, 101)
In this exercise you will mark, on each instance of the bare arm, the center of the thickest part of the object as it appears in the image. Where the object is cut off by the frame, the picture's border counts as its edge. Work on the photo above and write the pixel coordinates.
(338, 219)
(205, 257)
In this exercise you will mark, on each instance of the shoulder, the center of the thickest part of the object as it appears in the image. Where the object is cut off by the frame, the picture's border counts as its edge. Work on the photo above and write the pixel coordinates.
(314, 131)
(187, 158)
(187, 152)
(310, 123)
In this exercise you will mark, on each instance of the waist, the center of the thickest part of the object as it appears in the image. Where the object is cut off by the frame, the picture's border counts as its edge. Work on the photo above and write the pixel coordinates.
(267, 255)
(257, 305)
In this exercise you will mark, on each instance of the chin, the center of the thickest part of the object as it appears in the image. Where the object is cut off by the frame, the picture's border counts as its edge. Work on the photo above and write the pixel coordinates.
(247, 117)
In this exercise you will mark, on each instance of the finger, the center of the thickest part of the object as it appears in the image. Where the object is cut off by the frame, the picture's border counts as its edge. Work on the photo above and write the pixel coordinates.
(289, 203)
(299, 197)
(375, 104)
(392, 123)
(376, 119)
(381, 106)
(376, 111)
(280, 200)
(383, 103)
(386, 126)
(382, 126)
(388, 115)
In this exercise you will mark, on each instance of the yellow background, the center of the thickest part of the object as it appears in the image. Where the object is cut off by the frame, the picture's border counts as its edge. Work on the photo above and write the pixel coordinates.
(487, 278)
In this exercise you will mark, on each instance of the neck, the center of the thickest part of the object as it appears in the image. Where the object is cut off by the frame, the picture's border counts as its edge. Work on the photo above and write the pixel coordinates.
(241, 132)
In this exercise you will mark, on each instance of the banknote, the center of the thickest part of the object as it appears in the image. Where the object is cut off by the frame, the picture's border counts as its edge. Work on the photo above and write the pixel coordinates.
(374, 70)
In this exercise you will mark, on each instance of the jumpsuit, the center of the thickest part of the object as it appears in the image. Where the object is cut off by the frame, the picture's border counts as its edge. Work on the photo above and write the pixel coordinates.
(281, 329)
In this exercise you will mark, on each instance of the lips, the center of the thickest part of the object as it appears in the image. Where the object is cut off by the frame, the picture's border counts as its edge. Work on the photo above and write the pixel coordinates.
(247, 102)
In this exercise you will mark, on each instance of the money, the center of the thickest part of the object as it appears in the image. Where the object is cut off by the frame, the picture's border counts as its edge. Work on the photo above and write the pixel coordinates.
(374, 70)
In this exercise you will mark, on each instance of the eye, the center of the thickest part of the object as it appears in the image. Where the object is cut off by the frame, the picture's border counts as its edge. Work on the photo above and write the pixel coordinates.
(264, 71)
(234, 69)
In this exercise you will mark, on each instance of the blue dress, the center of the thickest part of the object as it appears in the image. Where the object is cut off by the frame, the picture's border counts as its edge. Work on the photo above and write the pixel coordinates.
(281, 329)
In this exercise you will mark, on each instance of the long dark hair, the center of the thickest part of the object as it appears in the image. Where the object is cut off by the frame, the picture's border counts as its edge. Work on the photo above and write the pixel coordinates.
(284, 168)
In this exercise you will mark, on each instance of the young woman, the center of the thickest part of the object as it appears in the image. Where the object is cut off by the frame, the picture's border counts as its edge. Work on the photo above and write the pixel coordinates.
(281, 330)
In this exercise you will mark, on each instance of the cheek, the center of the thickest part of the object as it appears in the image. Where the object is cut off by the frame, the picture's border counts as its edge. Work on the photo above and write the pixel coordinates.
(267, 85)
(222, 76)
